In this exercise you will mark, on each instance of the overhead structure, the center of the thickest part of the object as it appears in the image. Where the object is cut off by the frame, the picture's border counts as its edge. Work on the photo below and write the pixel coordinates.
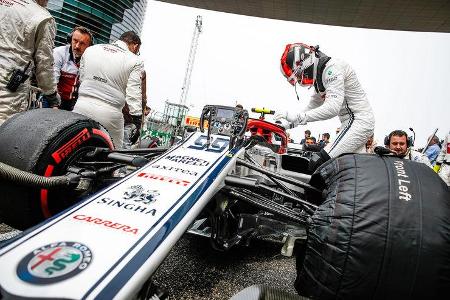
(191, 59)
(409, 15)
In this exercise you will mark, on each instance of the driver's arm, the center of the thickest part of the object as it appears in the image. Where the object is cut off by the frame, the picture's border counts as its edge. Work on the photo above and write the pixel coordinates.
(315, 101)
(333, 79)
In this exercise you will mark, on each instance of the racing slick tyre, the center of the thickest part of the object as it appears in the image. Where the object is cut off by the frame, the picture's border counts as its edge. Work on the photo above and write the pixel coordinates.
(43, 142)
(381, 232)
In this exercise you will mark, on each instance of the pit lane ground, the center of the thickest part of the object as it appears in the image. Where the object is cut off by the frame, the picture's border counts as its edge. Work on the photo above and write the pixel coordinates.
(193, 270)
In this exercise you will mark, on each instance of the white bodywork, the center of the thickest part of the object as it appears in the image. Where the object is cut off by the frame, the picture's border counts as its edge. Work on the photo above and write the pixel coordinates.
(108, 245)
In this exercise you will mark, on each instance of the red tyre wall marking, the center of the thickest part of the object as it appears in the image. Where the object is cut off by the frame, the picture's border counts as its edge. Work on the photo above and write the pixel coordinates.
(71, 145)
(63, 152)
(104, 136)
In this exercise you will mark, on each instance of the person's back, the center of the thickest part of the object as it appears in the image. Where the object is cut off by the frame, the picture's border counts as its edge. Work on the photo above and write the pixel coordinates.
(110, 74)
(26, 36)
(104, 72)
(355, 103)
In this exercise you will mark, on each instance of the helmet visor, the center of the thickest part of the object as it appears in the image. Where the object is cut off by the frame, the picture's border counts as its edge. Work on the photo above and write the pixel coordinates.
(295, 61)
(286, 63)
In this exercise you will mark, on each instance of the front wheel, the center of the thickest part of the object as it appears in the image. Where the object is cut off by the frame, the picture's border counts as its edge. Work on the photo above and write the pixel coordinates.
(44, 142)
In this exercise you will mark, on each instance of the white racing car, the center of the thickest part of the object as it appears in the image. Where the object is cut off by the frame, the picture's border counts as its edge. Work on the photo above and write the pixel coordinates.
(361, 236)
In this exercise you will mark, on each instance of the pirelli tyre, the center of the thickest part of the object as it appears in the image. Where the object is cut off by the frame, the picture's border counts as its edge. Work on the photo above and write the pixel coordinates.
(381, 232)
(44, 142)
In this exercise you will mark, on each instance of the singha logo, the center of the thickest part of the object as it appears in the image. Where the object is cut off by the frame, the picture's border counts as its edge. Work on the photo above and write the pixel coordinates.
(138, 194)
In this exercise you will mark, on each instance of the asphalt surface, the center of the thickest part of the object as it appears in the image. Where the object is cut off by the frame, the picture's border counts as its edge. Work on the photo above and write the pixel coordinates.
(194, 270)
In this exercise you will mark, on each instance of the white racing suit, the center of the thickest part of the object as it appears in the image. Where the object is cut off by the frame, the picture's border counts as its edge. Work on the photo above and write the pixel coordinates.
(109, 74)
(444, 159)
(27, 33)
(343, 97)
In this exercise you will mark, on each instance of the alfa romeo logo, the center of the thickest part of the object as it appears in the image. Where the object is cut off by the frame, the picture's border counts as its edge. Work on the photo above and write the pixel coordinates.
(54, 262)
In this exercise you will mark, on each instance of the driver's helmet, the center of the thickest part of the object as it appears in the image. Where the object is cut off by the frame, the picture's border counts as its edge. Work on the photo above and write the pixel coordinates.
(297, 64)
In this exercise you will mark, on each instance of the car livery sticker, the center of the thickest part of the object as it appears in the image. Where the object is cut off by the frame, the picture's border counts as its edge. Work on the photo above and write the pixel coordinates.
(54, 262)
(130, 226)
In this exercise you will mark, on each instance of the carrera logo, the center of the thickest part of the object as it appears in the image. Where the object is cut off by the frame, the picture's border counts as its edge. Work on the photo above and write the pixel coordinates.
(164, 178)
(71, 145)
(54, 262)
(106, 223)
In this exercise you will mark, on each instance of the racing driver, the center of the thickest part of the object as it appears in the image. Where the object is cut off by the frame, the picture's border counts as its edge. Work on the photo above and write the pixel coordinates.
(337, 93)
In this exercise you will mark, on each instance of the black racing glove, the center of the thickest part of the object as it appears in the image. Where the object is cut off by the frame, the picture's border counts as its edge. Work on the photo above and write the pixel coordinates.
(52, 99)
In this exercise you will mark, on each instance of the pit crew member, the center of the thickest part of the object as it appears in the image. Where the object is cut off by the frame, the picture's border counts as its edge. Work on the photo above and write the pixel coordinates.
(26, 41)
(110, 74)
(67, 62)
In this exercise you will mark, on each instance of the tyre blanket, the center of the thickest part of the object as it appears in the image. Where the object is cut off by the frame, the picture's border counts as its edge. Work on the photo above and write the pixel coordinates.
(382, 232)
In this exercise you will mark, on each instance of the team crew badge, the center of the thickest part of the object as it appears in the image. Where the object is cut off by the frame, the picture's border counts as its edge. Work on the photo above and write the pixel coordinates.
(54, 262)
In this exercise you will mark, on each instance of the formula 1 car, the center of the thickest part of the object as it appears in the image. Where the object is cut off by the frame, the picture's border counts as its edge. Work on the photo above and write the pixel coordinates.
(221, 184)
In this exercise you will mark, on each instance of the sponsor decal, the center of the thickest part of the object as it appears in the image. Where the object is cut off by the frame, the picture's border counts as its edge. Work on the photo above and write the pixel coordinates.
(164, 178)
(54, 263)
(217, 144)
(137, 193)
(404, 184)
(142, 209)
(100, 79)
(109, 48)
(188, 160)
(175, 169)
(106, 223)
(329, 80)
(329, 72)
(71, 145)
(8, 3)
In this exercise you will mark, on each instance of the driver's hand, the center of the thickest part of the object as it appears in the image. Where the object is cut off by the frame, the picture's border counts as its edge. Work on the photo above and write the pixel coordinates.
(284, 123)
(297, 119)
(280, 115)
(289, 119)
